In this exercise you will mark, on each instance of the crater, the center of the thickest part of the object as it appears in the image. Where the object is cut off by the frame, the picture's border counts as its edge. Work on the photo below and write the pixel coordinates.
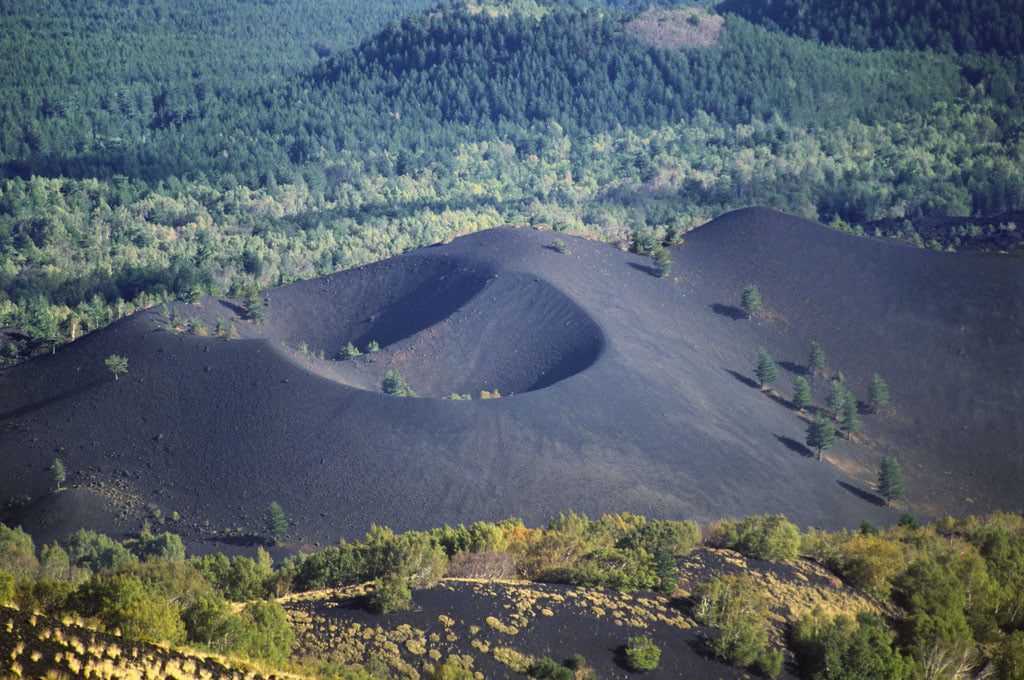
(447, 326)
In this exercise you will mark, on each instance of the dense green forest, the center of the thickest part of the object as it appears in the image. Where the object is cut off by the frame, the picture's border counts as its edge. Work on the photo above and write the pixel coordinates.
(948, 26)
(224, 146)
(955, 589)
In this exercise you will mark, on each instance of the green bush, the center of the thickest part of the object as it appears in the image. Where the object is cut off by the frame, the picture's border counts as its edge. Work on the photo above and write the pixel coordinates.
(846, 649)
(96, 552)
(391, 593)
(763, 537)
(267, 632)
(45, 595)
(166, 546)
(6, 588)
(239, 578)
(1010, 657)
(452, 669)
(546, 668)
(332, 567)
(412, 555)
(642, 654)
(122, 602)
(739, 608)
(769, 664)
(17, 552)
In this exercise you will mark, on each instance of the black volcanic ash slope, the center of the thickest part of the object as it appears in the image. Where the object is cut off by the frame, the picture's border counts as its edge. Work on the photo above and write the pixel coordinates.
(631, 392)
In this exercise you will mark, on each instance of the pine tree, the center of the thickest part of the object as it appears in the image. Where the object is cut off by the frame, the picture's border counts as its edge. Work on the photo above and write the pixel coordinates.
(851, 414)
(801, 393)
(816, 359)
(878, 392)
(766, 371)
(665, 567)
(821, 435)
(374, 346)
(662, 261)
(116, 364)
(750, 300)
(59, 474)
(254, 307)
(837, 399)
(277, 522)
(394, 384)
(350, 351)
(890, 479)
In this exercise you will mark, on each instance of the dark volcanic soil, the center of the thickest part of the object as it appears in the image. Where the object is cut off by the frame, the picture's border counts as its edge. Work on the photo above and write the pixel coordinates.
(630, 392)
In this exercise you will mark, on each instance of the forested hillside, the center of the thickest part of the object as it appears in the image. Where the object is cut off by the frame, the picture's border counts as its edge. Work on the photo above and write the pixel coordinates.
(223, 146)
(948, 26)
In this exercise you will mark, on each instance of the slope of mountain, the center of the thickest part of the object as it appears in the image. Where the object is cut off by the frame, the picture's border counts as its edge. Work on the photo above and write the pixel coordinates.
(620, 390)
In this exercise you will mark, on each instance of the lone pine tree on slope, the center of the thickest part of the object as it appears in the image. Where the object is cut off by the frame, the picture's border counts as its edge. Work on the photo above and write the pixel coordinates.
(890, 479)
(116, 364)
(821, 434)
(276, 522)
(816, 358)
(878, 392)
(766, 371)
(750, 300)
(801, 394)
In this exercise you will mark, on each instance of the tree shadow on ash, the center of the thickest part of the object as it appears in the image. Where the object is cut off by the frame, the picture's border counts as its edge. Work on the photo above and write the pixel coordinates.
(241, 540)
(862, 494)
(743, 379)
(795, 446)
(43, 403)
(734, 313)
(650, 271)
(798, 369)
(234, 307)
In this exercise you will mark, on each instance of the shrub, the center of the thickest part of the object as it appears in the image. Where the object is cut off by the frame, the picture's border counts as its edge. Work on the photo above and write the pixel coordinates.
(267, 634)
(764, 537)
(452, 669)
(769, 664)
(17, 552)
(869, 563)
(330, 568)
(239, 578)
(121, 601)
(1010, 657)
(96, 552)
(678, 538)
(166, 546)
(560, 246)
(547, 668)
(846, 649)
(6, 588)
(46, 595)
(412, 555)
(391, 593)
(642, 654)
(739, 608)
